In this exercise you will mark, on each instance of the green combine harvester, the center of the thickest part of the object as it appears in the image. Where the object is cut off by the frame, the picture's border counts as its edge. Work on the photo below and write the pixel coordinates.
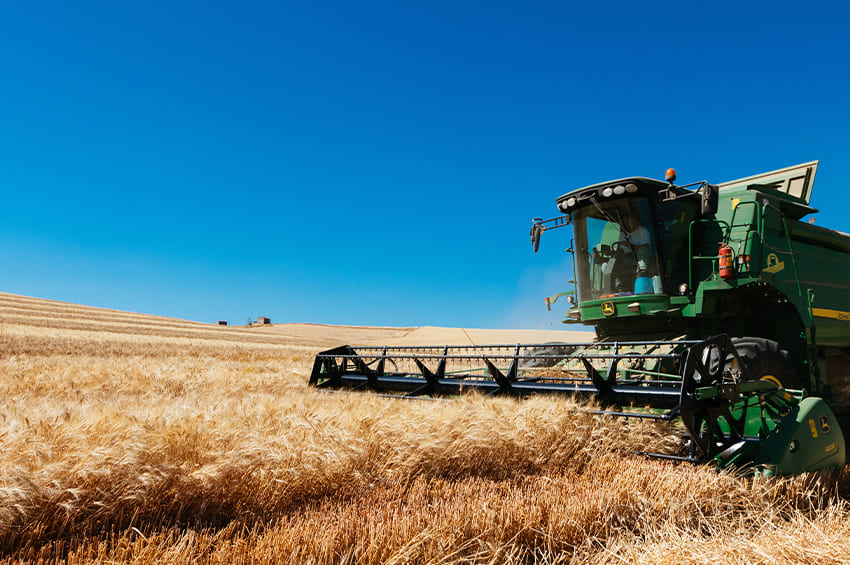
(715, 306)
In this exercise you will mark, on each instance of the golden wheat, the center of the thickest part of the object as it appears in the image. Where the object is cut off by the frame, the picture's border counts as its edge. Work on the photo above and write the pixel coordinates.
(128, 438)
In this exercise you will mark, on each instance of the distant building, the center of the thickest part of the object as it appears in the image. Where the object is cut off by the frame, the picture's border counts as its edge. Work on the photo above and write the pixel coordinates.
(222, 322)
(263, 320)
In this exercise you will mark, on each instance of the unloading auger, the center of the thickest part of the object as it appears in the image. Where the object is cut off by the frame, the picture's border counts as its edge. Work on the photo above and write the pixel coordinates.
(706, 301)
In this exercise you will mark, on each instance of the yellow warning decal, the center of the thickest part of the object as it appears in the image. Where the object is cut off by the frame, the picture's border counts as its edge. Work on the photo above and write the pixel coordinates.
(814, 428)
(839, 315)
(774, 265)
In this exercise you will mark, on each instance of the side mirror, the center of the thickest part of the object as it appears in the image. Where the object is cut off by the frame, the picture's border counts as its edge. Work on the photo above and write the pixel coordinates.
(540, 226)
(536, 232)
(710, 200)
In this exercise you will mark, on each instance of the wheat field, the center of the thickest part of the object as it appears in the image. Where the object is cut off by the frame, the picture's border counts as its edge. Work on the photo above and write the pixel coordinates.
(135, 439)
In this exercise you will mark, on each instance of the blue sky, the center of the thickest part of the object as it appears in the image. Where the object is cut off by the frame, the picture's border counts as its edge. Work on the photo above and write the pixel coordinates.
(379, 163)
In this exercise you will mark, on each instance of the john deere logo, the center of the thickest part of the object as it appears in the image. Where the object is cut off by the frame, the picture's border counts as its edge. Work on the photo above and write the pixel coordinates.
(824, 424)
(774, 265)
(608, 309)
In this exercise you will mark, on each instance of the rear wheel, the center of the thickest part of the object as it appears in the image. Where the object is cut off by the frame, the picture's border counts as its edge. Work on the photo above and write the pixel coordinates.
(765, 361)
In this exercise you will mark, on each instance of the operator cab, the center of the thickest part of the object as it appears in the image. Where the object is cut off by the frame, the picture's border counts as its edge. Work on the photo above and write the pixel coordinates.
(628, 241)
(616, 253)
(630, 245)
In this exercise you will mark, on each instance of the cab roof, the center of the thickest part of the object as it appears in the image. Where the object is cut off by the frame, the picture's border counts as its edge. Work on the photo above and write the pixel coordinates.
(643, 184)
(791, 186)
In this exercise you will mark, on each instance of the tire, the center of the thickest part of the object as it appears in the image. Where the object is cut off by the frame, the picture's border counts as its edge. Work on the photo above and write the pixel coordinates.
(561, 350)
(766, 361)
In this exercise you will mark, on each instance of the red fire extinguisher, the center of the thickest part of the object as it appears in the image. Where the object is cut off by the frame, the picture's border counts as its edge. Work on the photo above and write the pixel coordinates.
(725, 263)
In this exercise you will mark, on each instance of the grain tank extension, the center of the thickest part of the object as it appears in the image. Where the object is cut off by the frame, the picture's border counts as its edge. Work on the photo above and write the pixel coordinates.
(717, 306)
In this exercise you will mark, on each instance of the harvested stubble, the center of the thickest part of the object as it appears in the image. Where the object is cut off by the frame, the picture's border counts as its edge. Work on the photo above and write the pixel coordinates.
(208, 446)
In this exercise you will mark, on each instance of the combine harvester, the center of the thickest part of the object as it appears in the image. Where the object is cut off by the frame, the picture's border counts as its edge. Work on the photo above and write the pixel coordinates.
(714, 305)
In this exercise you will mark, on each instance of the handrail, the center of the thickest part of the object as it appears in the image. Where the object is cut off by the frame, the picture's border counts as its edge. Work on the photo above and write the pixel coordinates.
(750, 231)
(691, 247)
(790, 251)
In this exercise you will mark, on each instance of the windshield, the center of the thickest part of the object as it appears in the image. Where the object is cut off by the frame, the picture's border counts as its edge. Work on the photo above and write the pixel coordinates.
(616, 252)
